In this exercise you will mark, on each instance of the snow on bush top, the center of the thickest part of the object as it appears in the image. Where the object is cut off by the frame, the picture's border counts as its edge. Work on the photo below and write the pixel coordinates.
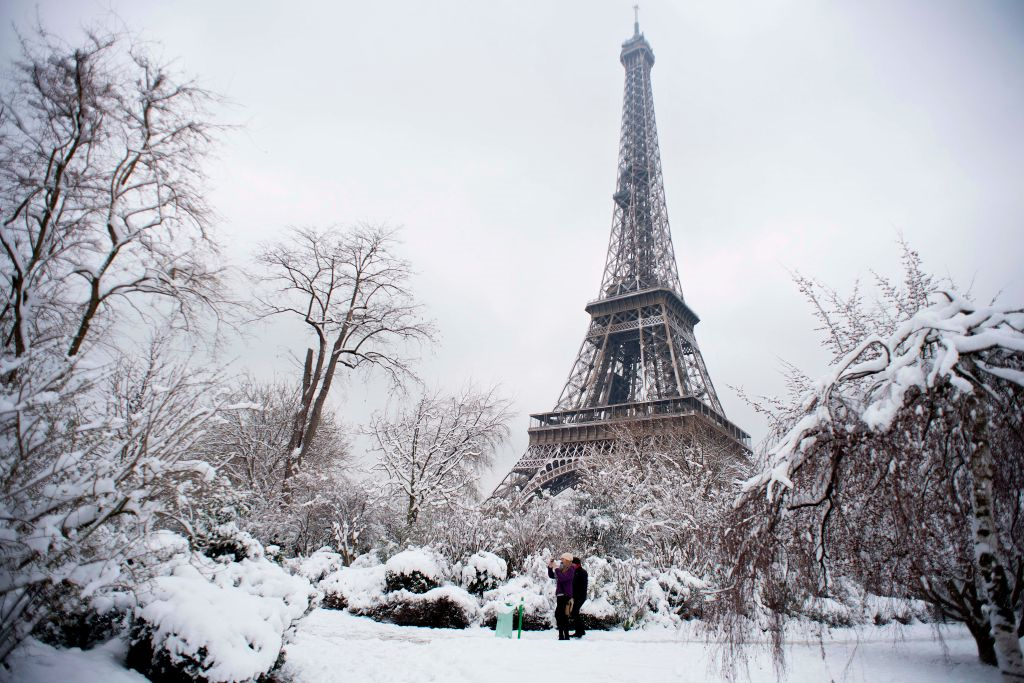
(487, 563)
(318, 565)
(229, 618)
(537, 598)
(428, 563)
(457, 596)
(483, 571)
(361, 587)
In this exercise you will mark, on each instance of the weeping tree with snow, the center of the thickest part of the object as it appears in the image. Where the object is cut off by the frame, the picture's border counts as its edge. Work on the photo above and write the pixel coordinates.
(351, 291)
(431, 452)
(902, 468)
(102, 216)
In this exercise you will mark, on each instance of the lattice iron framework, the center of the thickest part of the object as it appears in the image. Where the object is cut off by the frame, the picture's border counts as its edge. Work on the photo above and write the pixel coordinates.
(639, 366)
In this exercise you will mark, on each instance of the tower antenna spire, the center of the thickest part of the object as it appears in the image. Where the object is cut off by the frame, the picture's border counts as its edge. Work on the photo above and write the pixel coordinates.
(636, 20)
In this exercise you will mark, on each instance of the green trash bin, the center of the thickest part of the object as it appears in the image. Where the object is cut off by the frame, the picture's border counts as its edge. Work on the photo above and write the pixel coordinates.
(503, 629)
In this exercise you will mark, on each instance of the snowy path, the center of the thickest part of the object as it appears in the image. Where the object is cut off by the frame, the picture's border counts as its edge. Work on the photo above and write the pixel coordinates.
(335, 646)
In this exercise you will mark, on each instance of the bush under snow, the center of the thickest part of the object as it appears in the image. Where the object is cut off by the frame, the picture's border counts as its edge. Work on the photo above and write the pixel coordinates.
(444, 607)
(357, 589)
(483, 571)
(416, 570)
(538, 601)
(317, 566)
(216, 621)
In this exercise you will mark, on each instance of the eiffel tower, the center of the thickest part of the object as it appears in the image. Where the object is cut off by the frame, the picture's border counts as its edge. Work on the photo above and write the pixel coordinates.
(639, 367)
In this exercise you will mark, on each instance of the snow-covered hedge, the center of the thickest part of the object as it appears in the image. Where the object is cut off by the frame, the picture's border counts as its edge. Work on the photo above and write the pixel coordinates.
(483, 571)
(675, 592)
(444, 607)
(357, 589)
(227, 540)
(316, 567)
(216, 621)
(416, 570)
(80, 622)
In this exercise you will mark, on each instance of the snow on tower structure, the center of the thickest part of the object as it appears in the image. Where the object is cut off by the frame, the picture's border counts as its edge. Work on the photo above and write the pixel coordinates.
(639, 367)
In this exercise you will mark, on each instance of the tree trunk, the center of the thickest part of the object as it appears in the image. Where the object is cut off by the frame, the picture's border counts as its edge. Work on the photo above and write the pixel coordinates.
(983, 640)
(1001, 615)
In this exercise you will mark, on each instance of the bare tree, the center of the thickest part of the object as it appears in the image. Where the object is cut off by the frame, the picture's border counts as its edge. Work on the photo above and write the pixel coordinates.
(431, 452)
(352, 292)
(101, 190)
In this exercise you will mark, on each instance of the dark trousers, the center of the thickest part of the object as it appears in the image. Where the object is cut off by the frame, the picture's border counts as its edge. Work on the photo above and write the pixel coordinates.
(561, 618)
(575, 616)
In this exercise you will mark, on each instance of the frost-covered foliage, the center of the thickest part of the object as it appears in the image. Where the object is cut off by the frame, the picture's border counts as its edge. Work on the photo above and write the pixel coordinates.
(298, 506)
(535, 595)
(663, 496)
(431, 453)
(483, 571)
(901, 469)
(74, 621)
(84, 476)
(228, 541)
(215, 620)
(676, 592)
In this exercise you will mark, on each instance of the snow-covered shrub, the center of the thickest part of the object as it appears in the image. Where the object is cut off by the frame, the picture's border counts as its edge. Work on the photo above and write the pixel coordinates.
(676, 592)
(215, 621)
(227, 540)
(538, 601)
(416, 570)
(830, 612)
(444, 607)
(78, 622)
(598, 614)
(620, 583)
(884, 610)
(357, 589)
(317, 566)
(482, 572)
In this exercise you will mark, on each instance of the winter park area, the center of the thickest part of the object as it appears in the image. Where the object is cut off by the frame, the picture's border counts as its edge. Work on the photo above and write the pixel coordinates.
(319, 362)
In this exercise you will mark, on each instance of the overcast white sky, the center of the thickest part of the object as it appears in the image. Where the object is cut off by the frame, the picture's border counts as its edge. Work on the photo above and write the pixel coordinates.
(795, 135)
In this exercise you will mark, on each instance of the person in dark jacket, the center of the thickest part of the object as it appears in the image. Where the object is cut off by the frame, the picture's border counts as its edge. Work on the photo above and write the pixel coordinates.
(563, 592)
(579, 595)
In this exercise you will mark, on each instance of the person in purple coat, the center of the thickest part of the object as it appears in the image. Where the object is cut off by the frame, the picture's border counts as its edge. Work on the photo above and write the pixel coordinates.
(563, 576)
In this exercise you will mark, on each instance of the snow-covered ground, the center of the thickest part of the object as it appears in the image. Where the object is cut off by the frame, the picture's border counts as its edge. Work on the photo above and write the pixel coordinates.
(336, 646)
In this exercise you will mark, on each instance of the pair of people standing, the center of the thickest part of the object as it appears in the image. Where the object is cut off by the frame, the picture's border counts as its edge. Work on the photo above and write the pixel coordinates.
(570, 594)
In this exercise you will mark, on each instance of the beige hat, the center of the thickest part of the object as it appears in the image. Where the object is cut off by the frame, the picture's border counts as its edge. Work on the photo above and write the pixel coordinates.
(567, 557)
